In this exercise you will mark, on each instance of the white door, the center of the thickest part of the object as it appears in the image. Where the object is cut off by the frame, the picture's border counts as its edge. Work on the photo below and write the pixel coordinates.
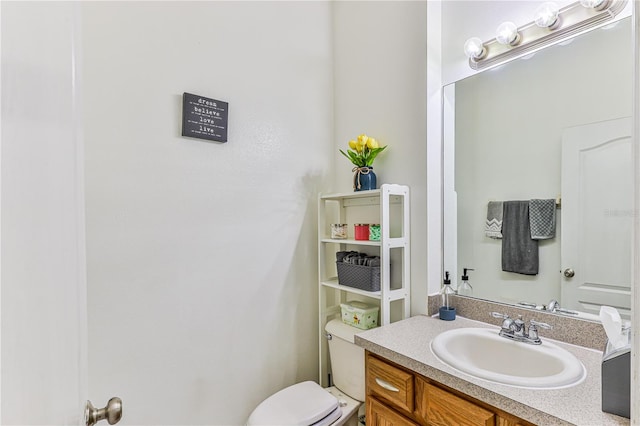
(42, 257)
(597, 216)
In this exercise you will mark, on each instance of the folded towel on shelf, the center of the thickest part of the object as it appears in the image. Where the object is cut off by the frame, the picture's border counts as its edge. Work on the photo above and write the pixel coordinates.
(542, 219)
(519, 251)
(493, 225)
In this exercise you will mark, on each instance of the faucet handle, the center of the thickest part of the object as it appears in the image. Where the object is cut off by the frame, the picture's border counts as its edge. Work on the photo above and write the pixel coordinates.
(536, 324)
(506, 323)
(533, 329)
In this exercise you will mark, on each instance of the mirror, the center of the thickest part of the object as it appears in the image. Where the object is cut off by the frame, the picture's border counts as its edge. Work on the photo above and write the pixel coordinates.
(518, 132)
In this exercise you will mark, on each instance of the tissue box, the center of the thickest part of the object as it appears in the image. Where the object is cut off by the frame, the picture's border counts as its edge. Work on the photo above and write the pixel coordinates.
(359, 314)
(616, 381)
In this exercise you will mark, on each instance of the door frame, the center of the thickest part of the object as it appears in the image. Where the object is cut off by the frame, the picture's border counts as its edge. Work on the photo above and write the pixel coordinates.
(635, 294)
(42, 213)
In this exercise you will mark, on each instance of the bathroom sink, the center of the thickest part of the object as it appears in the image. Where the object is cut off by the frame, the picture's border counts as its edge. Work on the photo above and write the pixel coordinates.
(484, 354)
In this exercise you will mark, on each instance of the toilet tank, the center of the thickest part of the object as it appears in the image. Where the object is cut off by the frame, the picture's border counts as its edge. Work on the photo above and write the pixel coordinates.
(347, 359)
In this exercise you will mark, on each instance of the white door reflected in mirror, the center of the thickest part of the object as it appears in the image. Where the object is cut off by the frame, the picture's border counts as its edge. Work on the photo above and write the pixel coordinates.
(597, 213)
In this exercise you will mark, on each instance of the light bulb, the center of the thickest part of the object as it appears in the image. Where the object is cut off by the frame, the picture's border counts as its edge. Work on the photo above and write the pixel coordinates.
(595, 4)
(546, 15)
(474, 49)
(507, 33)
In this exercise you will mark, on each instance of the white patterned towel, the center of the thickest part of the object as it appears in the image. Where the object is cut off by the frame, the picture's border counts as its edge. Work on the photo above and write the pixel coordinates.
(542, 219)
(493, 225)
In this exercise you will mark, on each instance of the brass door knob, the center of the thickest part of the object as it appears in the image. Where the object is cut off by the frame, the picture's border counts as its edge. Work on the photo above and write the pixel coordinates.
(112, 413)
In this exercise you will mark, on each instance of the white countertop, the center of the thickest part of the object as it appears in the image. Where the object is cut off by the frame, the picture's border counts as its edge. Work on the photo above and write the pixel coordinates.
(407, 343)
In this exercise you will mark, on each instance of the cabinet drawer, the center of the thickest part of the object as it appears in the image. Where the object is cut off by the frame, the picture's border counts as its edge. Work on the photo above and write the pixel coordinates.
(439, 407)
(391, 383)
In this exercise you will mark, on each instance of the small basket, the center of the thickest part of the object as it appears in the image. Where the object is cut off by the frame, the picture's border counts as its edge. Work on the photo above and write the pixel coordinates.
(358, 276)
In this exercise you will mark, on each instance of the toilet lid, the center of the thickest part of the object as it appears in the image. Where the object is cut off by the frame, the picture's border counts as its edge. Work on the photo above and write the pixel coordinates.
(301, 404)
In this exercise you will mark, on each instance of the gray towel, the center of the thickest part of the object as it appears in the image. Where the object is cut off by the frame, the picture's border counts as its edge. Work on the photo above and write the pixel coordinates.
(542, 219)
(493, 225)
(519, 251)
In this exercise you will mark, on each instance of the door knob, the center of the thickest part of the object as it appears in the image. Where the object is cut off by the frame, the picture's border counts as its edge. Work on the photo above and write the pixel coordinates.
(112, 413)
(569, 272)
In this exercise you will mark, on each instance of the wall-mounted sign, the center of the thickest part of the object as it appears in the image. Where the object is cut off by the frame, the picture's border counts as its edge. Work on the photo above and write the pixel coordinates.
(204, 118)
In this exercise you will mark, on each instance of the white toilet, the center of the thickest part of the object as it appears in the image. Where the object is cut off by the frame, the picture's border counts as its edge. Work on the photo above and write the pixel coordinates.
(307, 403)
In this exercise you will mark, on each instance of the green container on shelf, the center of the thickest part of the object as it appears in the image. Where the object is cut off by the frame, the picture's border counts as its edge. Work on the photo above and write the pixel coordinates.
(359, 314)
(374, 232)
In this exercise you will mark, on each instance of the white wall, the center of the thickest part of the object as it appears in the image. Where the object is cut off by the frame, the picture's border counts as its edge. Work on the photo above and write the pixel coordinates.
(202, 256)
(43, 266)
(435, 129)
(380, 72)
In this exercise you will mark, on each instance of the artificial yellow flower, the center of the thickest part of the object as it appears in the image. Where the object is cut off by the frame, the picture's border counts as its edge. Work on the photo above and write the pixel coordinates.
(362, 142)
(363, 150)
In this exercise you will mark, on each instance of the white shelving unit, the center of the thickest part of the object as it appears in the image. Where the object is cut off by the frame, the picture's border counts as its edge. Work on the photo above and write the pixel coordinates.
(389, 207)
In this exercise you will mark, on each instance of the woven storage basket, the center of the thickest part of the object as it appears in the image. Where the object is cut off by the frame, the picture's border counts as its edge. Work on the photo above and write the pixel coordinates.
(358, 276)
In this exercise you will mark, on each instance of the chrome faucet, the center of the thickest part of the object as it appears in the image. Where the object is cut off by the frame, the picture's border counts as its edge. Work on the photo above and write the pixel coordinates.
(515, 329)
(554, 306)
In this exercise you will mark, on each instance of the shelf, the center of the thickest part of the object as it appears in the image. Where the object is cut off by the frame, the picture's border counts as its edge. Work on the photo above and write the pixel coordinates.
(392, 295)
(388, 206)
(370, 198)
(351, 195)
(358, 242)
(392, 188)
(391, 242)
(333, 283)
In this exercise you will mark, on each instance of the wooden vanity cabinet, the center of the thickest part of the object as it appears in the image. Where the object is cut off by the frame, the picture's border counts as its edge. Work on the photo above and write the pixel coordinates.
(399, 397)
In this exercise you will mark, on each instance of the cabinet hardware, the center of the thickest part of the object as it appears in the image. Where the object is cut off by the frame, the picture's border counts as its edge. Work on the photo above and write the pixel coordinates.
(386, 385)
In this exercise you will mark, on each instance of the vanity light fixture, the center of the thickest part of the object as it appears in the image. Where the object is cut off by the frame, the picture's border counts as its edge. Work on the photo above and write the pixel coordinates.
(474, 49)
(546, 15)
(550, 25)
(507, 34)
(595, 4)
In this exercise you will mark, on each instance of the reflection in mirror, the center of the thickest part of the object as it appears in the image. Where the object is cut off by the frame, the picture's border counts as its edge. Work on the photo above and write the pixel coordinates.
(554, 127)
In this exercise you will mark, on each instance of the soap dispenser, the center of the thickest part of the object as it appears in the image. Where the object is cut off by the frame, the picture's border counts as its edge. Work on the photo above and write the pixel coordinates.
(465, 289)
(447, 312)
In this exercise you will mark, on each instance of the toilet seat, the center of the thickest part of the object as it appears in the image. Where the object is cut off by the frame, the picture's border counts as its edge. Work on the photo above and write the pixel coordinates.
(302, 404)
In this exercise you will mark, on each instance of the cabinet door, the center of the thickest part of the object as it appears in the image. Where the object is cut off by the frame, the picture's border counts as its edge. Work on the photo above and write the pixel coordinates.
(379, 414)
(504, 421)
(436, 406)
